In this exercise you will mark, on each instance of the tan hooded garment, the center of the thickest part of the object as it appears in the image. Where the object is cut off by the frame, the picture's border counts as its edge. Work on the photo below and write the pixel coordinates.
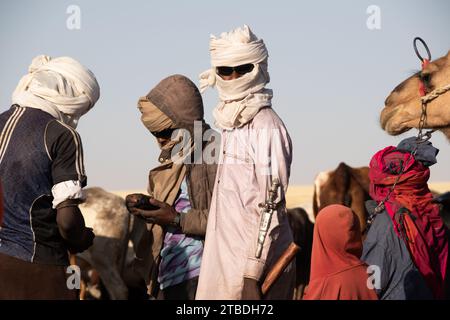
(174, 103)
(165, 180)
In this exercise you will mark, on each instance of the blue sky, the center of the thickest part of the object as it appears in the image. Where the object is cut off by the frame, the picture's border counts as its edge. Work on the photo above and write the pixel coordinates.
(329, 72)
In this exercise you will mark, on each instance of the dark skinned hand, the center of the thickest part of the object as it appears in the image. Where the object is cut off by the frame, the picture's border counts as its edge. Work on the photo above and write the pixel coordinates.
(251, 290)
(162, 213)
(87, 239)
(139, 200)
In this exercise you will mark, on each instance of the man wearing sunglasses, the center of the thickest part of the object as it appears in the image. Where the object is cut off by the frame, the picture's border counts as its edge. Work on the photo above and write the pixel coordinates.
(255, 151)
(230, 73)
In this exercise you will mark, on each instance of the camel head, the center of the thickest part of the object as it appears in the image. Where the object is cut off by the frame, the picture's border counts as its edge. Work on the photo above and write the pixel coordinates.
(403, 106)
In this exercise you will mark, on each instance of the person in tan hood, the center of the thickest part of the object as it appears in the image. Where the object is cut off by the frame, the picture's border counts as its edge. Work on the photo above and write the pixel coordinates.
(180, 190)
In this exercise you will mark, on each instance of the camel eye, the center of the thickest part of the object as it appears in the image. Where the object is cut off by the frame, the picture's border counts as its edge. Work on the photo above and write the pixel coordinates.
(425, 77)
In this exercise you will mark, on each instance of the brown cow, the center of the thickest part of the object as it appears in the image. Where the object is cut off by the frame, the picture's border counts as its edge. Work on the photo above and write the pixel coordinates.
(302, 230)
(344, 185)
(444, 201)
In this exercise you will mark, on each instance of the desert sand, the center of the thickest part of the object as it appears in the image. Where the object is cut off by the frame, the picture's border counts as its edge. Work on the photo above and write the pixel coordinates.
(302, 195)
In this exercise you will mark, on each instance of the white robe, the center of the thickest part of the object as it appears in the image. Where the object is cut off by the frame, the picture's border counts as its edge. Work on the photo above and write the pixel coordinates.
(244, 177)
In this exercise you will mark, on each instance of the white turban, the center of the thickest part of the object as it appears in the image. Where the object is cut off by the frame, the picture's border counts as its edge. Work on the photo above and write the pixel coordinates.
(237, 47)
(62, 87)
(241, 98)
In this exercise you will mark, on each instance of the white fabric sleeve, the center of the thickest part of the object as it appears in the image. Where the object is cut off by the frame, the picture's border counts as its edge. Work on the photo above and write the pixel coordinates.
(278, 153)
(70, 189)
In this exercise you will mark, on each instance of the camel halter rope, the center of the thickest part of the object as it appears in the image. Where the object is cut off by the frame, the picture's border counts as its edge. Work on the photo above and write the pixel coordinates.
(426, 97)
(421, 137)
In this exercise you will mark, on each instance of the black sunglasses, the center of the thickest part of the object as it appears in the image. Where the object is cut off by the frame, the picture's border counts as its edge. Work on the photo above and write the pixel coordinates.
(242, 69)
(167, 133)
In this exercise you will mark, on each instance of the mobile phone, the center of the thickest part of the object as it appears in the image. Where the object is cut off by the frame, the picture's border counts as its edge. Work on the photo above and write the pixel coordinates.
(144, 203)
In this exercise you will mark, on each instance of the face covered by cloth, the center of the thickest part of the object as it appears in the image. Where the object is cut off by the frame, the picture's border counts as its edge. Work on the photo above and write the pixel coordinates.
(241, 98)
(409, 204)
(61, 87)
(165, 180)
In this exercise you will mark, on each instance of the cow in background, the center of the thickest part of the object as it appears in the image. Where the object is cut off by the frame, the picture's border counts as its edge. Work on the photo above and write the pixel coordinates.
(1, 204)
(444, 201)
(107, 267)
(302, 230)
(107, 214)
(344, 185)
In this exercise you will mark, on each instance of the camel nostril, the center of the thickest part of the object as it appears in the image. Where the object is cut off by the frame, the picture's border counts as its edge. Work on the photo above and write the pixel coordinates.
(383, 119)
(386, 117)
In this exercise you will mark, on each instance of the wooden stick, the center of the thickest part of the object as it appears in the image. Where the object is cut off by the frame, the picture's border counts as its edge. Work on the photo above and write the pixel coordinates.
(279, 267)
(82, 291)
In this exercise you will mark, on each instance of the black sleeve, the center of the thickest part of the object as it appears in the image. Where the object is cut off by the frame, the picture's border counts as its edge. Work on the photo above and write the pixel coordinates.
(65, 150)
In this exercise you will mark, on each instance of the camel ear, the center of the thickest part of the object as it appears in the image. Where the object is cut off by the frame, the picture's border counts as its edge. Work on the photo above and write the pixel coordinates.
(447, 58)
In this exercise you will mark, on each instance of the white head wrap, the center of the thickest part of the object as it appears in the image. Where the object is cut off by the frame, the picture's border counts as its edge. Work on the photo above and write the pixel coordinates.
(61, 86)
(241, 98)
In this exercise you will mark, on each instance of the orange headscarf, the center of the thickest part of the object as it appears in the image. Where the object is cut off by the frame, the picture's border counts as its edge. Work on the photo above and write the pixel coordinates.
(337, 273)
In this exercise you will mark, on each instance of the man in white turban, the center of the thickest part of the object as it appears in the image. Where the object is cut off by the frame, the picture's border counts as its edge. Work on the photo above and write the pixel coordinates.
(256, 151)
(42, 175)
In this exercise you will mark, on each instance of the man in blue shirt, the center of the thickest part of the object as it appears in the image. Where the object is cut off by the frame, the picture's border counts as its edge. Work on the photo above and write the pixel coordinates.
(42, 173)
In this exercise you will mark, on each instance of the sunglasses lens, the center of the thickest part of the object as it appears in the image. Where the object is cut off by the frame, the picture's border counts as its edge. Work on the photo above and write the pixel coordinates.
(224, 71)
(245, 68)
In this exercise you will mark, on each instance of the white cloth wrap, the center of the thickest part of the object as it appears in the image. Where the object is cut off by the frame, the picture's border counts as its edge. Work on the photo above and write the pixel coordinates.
(61, 87)
(235, 114)
(238, 47)
(65, 190)
(241, 98)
